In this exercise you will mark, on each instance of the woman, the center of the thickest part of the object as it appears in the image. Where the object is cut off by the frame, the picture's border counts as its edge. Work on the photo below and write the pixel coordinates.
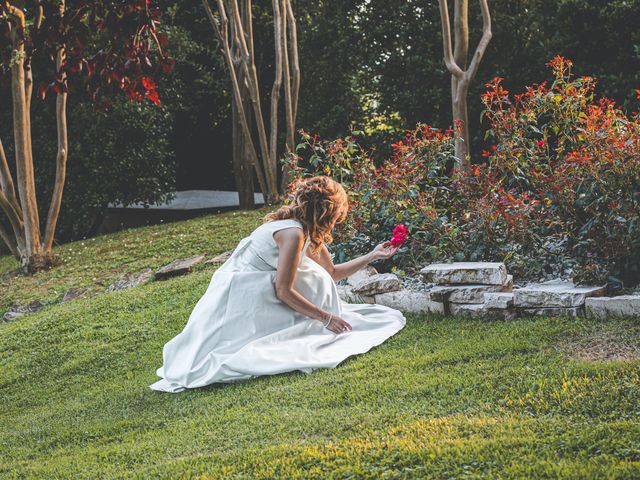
(273, 307)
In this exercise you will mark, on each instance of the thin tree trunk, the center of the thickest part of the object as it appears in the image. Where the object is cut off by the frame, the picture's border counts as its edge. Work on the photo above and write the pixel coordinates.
(292, 85)
(9, 241)
(242, 172)
(254, 90)
(24, 166)
(278, 35)
(6, 180)
(61, 156)
(222, 35)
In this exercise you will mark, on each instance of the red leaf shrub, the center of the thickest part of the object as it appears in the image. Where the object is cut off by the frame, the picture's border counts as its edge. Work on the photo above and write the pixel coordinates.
(557, 193)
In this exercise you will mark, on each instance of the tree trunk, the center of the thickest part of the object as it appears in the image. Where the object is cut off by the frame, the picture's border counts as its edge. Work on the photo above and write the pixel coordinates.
(456, 62)
(242, 170)
(32, 255)
(239, 52)
(61, 156)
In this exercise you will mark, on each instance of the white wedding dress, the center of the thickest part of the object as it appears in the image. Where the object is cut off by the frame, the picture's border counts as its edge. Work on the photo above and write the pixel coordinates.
(239, 329)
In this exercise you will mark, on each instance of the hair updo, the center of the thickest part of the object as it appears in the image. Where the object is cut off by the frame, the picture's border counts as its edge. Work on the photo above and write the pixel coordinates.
(318, 203)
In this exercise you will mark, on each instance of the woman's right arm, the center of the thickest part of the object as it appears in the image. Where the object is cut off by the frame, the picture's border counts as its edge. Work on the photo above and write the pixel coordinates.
(290, 243)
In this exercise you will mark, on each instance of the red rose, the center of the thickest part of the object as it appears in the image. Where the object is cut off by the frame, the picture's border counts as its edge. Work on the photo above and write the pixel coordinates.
(400, 235)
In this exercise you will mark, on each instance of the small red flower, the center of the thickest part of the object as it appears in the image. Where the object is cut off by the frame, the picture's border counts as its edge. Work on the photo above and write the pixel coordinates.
(400, 235)
(540, 143)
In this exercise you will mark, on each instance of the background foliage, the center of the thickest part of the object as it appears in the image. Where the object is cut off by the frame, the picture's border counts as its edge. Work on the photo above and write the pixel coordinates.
(373, 65)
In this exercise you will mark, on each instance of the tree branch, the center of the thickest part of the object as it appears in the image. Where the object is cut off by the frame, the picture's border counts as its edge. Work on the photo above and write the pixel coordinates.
(482, 45)
(9, 241)
(6, 181)
(449, 61)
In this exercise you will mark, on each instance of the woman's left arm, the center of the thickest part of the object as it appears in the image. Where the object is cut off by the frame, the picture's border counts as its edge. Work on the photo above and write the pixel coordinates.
(343, 270)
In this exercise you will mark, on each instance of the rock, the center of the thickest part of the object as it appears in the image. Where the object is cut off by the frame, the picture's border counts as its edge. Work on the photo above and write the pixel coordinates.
(462, 293)
(130, 280)
(218, 259)
(17, 310)
(411, 301)
(485, 273)
(508, 285)
(612, 306)
(554, 294)
(479, 310)
(347, 294)
(550, 312)
(361, 275)
(179, 267)
(498, 300)
(73, 293)
(378, 283)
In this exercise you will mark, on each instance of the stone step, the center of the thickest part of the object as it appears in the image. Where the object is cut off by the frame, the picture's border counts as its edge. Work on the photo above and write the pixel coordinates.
(484, 273)
(551, 312)
(130, 280)
(499, 300)
(179, 267)
(378, 283)
(465, 293)
(612, 306)
(554, 294)
(347, 294)
(361, 275)
(409, 301)
(480, 310)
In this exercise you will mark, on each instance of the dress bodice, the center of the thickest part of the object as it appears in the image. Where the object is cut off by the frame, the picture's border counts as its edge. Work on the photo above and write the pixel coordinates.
(262, 244)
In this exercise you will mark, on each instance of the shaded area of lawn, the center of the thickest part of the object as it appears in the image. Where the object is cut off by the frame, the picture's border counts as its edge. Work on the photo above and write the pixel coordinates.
(95, 263)
(443, 398)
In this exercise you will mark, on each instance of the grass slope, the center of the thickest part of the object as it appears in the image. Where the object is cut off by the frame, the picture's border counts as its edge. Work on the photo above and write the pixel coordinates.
(95, 263)
(445, 398)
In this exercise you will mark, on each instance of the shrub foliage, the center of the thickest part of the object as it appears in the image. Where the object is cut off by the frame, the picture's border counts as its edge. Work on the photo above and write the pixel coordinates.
(556, 193)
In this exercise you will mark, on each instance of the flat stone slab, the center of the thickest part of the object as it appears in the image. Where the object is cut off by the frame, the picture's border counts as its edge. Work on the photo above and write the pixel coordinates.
(554, 294)
(179, 267)
(378, 283)
(462, 293)
(130, 280)
(409, 301)
(498, 300)
(484, 273)
(550, 312)
(347, 295)
(219, 259)
(74, 293)
(361, 275)
(479, 310)
(613, 306)
(18, 310)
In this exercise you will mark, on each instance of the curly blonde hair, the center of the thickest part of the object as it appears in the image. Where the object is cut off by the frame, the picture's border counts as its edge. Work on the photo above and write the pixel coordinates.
(318, 203)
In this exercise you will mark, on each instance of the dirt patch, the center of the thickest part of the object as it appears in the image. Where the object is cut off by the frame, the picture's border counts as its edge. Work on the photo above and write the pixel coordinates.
(602, 346)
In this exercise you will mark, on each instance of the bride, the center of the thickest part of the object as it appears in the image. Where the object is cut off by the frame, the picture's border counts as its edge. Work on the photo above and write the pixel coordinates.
(273, 307)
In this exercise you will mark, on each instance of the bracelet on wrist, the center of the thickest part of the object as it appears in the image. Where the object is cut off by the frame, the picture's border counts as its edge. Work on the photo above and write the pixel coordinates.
(328, 321)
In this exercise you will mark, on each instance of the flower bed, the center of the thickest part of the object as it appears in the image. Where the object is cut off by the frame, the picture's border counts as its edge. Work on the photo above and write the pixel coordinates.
(557, 194)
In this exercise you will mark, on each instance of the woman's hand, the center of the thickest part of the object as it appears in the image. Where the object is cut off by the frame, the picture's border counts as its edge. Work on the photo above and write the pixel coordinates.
(338, 325)
(383, 251)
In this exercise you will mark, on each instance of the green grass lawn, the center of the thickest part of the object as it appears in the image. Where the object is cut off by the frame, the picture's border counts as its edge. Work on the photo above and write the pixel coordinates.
(444, 398)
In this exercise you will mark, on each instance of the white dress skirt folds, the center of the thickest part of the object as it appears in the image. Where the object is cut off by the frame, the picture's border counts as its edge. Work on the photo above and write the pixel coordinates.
(239, 329)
